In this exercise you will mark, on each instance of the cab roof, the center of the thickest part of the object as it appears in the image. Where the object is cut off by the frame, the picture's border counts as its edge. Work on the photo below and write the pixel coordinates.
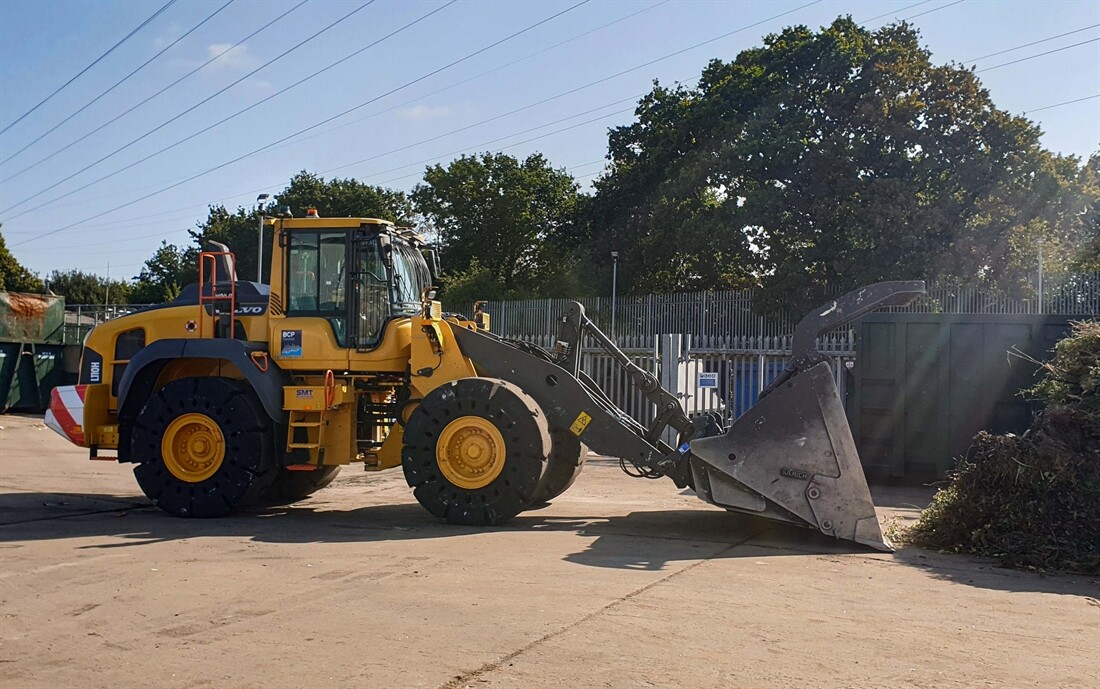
(315, 223)
(407, 233)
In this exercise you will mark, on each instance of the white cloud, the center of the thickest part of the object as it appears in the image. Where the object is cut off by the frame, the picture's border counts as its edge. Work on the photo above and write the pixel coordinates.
(237, 58)
(424, 112)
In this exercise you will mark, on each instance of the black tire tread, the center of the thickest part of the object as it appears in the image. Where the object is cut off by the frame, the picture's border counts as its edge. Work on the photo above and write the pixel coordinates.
(567, 458)
(526, 435)
(248, 466)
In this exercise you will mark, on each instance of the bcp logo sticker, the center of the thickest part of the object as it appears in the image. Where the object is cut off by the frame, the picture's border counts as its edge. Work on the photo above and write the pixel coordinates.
(291, 344)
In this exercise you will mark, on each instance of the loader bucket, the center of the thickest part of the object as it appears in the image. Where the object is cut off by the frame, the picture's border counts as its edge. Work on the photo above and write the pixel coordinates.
(792, 457)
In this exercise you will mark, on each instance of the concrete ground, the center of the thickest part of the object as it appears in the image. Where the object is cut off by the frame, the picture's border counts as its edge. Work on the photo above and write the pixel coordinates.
(619, 583)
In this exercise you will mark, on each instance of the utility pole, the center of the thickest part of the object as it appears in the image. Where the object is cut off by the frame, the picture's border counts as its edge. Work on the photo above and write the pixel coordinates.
(260, 200)
(1040, 276)
(614, 288)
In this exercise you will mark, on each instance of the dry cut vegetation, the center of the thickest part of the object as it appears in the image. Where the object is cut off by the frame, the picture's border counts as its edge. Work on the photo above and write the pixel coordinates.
(1032, 501)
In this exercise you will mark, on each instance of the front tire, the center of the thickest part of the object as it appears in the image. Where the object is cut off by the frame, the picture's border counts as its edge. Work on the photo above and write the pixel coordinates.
(204, 446)
(567, 458)
(475, 451)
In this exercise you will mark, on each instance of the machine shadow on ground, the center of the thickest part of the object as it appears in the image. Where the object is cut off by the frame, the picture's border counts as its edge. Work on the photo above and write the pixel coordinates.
(639, 540)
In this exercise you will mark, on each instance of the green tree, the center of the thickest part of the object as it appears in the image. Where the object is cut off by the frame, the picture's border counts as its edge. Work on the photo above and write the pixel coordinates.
(335, 198)
(165, 274)
(238, 231)
(1087, 257)
(14, 277)
(345, 198)
(500, 223)
(79, 287)
(825, 160)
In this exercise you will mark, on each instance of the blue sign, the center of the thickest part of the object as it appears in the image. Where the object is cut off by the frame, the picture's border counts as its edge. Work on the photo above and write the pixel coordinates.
(292, 344)
(708, 379)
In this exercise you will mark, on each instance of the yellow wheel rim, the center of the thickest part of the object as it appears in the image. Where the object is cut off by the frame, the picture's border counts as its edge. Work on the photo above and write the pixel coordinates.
(193, 447)
(470, 452)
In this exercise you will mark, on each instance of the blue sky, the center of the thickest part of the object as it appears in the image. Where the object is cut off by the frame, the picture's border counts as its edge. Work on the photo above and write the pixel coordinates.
(45, 43)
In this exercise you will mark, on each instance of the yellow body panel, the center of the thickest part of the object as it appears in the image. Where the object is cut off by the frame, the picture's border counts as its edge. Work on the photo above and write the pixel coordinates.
(389, 455)
(171, 322)
(436, 358)
(392, 353)
(313, 397)
(97, 429)
(422, 346)
(318, 351)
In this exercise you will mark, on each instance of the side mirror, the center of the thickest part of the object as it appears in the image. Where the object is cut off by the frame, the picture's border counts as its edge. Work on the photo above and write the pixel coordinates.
(387, 250)
(432, 257)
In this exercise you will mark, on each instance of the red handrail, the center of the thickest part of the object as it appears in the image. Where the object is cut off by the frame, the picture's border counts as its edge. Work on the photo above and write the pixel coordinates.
(214, 297)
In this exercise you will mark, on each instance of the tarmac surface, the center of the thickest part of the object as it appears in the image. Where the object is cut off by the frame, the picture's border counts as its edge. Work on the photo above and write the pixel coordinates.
(620, 582)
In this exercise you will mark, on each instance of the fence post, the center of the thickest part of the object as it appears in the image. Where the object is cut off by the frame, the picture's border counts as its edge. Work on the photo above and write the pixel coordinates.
(670, 373)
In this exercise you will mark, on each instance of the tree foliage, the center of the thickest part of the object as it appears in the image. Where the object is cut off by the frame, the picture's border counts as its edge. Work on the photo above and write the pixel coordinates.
(500, 222)
(79, 287)
(345, 198)
(173, 267)
(826, 160)
(169, 270)
(14, 277)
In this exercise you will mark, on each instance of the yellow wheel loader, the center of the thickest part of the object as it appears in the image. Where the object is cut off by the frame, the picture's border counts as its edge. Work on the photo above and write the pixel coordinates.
(238, 393)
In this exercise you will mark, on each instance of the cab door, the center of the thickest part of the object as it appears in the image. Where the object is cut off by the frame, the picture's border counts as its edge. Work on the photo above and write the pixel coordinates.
(379, 336)
(313, 335)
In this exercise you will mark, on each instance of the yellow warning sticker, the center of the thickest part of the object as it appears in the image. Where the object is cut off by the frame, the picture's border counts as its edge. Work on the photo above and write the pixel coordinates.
(580, 424)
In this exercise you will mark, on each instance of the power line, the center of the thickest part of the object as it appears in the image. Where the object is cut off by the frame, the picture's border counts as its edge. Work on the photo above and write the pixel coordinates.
(475, 147)
(900, 9)
(537, 103)
(119, 82)
(414, 100)
(1032, 57)
(314, 126)
(167, 122)
(162, 90)
(462, 129)
(477, 76)
(1026, 45)
(145, 218)
(935, 9)
(503, 148)
(1058, 105)
(236, 114)
(94, 63)
(141, 219)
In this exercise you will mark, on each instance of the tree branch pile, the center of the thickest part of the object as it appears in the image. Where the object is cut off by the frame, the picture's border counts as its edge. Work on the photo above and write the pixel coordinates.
(1032, 501)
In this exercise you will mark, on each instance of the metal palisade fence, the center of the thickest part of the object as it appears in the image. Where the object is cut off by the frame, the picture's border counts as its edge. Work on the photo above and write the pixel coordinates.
(727, 319)
(723, 354)
(709, 348)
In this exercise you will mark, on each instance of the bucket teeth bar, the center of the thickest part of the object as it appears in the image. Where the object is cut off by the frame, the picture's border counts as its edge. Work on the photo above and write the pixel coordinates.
(792, 456)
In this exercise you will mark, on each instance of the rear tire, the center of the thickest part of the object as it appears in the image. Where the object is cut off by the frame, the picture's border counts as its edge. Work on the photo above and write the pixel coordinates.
(567, 458)
(475, 451)
(291, 486)
(186, 419)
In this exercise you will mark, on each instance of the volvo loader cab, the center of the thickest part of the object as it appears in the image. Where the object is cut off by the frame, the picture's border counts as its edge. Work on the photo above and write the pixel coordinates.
(238, 393)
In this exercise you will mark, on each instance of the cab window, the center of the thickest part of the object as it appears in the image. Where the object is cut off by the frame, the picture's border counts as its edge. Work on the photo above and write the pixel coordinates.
(316, 278)
(373, 295)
